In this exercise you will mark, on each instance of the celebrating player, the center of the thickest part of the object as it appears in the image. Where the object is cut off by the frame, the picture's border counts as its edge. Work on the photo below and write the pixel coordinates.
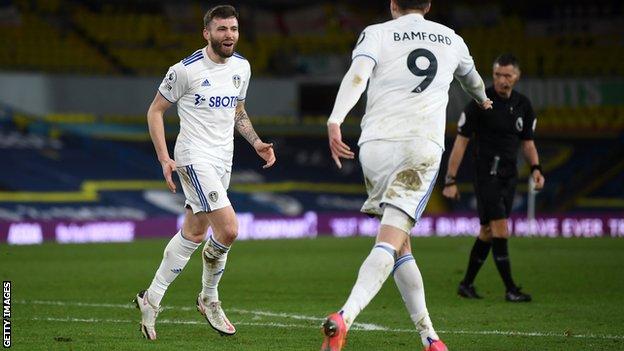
(410, 62)
(209, 88)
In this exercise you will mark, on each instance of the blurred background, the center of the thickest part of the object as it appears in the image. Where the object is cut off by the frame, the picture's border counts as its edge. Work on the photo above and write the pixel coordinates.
(77, 77)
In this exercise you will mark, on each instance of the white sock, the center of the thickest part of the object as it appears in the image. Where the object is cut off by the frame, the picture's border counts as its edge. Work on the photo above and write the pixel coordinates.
(175, 257)
(214, 257)
(409, 281)
(373, 273)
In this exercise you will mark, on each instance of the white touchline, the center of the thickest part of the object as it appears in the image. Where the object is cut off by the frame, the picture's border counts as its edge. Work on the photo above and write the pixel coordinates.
(355, 327)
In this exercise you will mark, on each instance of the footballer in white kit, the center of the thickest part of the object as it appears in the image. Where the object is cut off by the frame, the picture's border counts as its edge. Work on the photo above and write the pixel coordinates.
(409, 63)
(206, 94)
(209, 87)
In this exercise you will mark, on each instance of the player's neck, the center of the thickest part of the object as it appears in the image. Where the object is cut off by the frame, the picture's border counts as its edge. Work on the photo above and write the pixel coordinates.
(214, 57)
(410, 12)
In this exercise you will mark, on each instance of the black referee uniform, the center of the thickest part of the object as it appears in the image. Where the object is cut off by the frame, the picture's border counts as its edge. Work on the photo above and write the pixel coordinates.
(497, 135)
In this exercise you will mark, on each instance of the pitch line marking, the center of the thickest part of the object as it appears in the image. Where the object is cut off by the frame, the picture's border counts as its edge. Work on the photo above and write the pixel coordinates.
(356, 326)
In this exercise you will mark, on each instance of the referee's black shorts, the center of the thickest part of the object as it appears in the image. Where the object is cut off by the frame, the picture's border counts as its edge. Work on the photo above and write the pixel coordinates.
(494, 196)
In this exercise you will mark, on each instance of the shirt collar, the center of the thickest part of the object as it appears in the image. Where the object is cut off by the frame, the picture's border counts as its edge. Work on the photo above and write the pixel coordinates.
(415, 16)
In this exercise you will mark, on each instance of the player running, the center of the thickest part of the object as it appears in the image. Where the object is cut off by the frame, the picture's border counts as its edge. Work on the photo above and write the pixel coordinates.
(209, 87)
(410, 62)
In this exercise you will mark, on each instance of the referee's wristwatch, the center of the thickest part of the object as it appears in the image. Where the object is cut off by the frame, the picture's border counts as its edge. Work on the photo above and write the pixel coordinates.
(536, 167)
(449, 180)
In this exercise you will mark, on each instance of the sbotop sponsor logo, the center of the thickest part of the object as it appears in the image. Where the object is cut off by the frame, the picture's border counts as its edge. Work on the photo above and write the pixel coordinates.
(6, 314)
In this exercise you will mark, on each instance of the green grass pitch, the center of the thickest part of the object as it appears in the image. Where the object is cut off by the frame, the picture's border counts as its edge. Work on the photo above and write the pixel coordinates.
(77, 297)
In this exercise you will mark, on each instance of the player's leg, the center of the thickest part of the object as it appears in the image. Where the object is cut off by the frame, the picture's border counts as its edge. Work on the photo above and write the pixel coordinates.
(372, 274)
(175, 257)
(215, 252)
(374, 270)
(478, 255)
(410, 284)
(212, 184)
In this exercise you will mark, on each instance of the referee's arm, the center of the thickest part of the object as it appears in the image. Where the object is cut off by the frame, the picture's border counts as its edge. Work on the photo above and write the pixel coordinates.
(457, 154)
(530, 154)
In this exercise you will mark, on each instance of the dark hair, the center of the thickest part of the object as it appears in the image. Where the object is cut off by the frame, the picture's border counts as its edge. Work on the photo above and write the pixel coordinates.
(220, 11)
(413, 4)
(507, 59)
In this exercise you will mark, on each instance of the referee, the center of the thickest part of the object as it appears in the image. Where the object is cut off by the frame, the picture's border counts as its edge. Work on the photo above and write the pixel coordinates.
(498, 134)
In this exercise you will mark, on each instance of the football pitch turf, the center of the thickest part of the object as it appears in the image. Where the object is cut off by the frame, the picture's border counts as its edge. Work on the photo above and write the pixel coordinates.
(77, 297)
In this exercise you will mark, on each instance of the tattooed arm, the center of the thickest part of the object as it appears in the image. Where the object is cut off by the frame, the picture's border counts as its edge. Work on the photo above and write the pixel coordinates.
(242, 123)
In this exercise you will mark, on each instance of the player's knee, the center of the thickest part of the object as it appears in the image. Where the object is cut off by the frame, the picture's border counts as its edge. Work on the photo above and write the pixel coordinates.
(394, 217)
(194, 235)
(230, 232)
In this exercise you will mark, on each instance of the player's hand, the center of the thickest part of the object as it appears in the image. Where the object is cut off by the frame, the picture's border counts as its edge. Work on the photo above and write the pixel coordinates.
(168, 167)
(265, 151)
(538, 180)
(338, 148)
(451, 192)
(486, 105)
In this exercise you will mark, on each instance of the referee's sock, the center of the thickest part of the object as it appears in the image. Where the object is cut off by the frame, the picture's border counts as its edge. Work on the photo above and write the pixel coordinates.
(478, 255)
(501, 258)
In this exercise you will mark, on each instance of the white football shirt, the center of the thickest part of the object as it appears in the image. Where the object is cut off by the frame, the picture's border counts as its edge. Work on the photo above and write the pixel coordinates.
(416, 61)
(206, 94)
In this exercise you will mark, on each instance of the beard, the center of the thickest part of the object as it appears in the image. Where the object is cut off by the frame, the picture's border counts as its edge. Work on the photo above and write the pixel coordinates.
(219, 49)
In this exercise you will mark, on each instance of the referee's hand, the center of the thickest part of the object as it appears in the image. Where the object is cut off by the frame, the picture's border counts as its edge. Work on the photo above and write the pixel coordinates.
(451, 192)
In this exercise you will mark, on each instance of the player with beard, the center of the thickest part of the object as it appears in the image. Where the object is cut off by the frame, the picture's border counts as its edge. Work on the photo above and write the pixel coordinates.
(209, 88)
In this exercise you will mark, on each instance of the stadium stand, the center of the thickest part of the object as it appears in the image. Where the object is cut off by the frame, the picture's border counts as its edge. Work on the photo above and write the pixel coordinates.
(295, 40)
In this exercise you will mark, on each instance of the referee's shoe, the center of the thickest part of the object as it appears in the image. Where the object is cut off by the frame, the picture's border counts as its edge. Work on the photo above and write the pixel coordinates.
(515, 295)
(468, 291)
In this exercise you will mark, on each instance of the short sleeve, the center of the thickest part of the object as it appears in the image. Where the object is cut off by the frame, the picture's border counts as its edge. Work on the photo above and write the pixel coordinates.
(368, 45)
(242, 95)
(465, 62)
(530, 122)
(175, 83)
(467, 123)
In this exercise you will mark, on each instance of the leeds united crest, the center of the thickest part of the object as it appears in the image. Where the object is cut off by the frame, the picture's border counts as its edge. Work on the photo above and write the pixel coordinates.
(236, 79)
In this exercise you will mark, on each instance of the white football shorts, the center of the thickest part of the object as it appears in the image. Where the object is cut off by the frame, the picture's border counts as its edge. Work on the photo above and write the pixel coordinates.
(399, 173)
(205, 186)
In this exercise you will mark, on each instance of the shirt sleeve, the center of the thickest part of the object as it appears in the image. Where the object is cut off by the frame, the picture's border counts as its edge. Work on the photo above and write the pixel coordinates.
(466, 63)
(530, 122)
(243, 92)
(175, 84)
(467, 123)
(368, 45)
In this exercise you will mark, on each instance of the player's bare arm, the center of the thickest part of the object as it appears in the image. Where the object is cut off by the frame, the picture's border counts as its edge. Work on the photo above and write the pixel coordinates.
(242, 123)
(530, 154)
(457, 154)
(157, 133)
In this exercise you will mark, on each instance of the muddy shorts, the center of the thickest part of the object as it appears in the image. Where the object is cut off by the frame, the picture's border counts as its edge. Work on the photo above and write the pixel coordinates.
(399, 173)
(204, 186)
